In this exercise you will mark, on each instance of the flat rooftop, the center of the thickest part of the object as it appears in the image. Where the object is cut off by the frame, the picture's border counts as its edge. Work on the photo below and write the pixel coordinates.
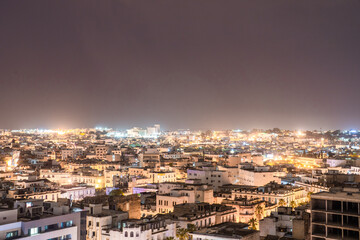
(227, 230)
(340, 196)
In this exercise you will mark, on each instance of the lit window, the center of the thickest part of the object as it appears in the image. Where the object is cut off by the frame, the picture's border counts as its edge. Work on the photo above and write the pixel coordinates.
(11, 234)
(33, 231)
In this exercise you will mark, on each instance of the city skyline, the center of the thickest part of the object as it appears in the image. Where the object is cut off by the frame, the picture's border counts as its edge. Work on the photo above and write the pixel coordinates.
(107, 128)
(179, 120)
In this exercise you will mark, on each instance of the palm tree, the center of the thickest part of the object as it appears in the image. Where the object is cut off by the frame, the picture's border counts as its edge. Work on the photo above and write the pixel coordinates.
(191, 228)
(252, 223)
(282, 202)
(259, 212)
(182, 234)
(293, 204)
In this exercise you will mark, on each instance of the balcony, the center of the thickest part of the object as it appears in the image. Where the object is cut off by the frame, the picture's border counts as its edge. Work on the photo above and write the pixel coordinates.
(318, 217)
(351, 235)
(318, 204)
(334, 206)
(318, 230)
(350, 208)
(350, 222)
(334, 233)
(334, 220)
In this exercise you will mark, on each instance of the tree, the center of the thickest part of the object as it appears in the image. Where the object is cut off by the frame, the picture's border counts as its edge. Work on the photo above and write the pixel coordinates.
(309, 196)
(293, 204)
(259, 212)
(116, 192)
(282, 202)
(276, 130)
(182, 234)
(252, 223)
(170, 238)
(191, 227)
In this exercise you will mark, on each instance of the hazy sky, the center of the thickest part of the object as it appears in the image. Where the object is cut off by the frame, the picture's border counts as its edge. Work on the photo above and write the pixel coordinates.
(184, 64)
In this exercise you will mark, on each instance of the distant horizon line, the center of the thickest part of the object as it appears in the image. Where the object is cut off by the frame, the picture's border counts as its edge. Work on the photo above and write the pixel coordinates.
(179, 129)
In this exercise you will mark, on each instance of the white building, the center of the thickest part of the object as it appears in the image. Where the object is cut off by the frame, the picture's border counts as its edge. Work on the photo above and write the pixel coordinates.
(188, 193)
(99, 219)
(29, 221)
(71, 153)
(209, 175)
(257, 176)
(77, 193)
(139, 229)
(278, 224)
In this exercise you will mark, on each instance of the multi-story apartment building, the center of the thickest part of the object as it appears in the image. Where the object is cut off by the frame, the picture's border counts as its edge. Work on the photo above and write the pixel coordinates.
(95, 180)
(286, 222)
(158, 228)
(271, 192)
(71, 153)
(99, 219)
(335, 215)
(77, 193)
(257, 176)
(188, 193)
(228, 231)
(202, 214)
(209, 175)
(101, 151)
(235, 160)
(246, 208)
(152, 175)
(59, 177)
(36, 220)
(27, 193)
(161, 176)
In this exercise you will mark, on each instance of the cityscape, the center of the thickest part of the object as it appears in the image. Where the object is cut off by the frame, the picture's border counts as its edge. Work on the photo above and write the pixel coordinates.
(148, 183)
(179, 120)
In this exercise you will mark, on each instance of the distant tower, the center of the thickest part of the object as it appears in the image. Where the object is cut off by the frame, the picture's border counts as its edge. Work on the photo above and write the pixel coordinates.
(157, 127)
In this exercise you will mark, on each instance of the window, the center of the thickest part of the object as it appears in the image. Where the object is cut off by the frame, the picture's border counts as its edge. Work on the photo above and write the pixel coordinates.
(97, 224)
(33, 231)
(131, 234)
(126, 234)
(12, 234)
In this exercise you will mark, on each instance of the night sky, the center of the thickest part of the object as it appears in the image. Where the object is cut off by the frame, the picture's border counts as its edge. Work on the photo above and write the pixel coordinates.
(184, 64)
